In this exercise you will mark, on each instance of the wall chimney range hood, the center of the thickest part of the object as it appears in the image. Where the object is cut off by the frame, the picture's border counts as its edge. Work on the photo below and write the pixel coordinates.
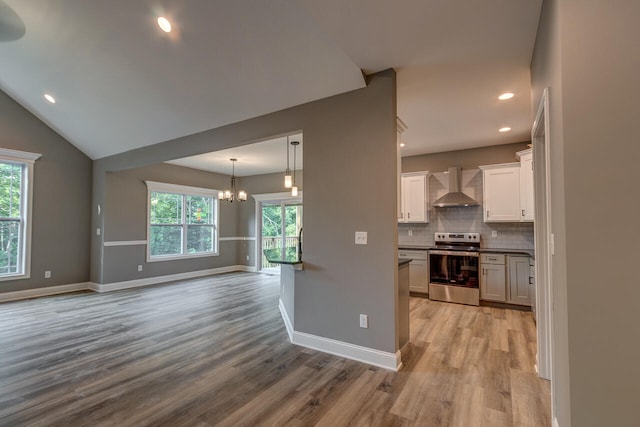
(454, 197)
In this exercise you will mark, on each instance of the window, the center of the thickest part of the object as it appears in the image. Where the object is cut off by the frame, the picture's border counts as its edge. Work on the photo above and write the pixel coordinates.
(182, 222)
(16, 183)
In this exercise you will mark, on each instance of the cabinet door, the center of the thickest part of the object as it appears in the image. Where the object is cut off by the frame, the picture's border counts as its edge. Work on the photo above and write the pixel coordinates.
(526, 187)
(418, 279)
(502, 194)
(493, 283)
(519, 280)
(414, 192)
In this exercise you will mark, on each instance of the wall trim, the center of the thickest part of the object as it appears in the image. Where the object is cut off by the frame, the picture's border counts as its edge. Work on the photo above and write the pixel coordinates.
(128, 284)
(125, 243)
(287, 321)
(99, 287)
(235, 238)
(382, 359)
(41, 292)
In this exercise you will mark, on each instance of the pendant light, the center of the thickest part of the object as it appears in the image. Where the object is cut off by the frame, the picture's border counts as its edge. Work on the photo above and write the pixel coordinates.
(294, 187)
(233, 193)
(288, 180)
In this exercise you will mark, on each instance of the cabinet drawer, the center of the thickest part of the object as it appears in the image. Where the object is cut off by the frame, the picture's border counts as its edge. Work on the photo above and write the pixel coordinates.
(492, 259)
(412, 254)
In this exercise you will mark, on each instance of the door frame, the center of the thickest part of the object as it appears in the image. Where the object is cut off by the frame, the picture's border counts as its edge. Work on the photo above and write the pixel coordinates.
(268, 198)
(543, 238)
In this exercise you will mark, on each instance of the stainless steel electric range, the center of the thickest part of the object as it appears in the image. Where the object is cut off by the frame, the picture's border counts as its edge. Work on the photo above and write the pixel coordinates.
(453, 268)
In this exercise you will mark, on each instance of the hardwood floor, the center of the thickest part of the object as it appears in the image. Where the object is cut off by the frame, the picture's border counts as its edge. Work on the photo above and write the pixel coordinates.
(214, 351)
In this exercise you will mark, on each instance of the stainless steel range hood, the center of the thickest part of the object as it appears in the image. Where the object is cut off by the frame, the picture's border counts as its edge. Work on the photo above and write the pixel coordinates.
(454, 197)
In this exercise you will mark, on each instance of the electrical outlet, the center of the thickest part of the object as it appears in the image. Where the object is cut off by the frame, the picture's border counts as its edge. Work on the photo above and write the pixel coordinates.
(247, 257)
(494, 233)
(361, 237)
(410, 233)
(139, 267)
(364, 321)
(47, 274)
(97, 231)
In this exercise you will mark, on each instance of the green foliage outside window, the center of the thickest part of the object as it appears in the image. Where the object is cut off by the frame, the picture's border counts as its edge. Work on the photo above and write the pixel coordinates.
(11, 180)
(174, 217)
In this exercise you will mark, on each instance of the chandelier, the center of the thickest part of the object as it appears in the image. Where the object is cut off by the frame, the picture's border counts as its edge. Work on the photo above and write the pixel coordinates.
(233, 193)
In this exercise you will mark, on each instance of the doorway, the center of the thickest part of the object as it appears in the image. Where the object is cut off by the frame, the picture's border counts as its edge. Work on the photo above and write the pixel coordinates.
(280, 224)
(543, 237)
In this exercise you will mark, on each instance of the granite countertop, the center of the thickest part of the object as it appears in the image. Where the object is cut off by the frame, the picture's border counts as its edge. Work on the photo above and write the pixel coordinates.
(529, 252)
(275, 256)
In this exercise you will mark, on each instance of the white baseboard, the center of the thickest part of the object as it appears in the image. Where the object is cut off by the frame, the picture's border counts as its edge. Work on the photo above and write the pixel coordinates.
(247, 268)
(98, 287)
(382, 359)
(287, 321)
(41, 292)
(116, 286)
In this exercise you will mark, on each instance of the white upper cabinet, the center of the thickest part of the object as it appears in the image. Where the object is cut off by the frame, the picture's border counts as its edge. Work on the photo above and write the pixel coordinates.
(508, 190)
(501, 190)
(414, 197)
(526, 184)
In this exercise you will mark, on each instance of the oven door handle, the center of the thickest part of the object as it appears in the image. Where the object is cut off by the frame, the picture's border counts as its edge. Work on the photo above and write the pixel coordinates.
(459, 253)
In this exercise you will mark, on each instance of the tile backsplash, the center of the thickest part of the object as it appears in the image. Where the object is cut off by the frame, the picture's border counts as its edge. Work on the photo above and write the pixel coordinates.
(464, 219)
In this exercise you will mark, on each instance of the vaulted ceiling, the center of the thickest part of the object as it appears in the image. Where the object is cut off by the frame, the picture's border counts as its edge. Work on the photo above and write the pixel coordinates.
(121, 83)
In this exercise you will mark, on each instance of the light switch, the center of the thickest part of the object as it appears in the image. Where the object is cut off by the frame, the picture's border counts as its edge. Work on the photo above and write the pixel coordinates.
(361, 237)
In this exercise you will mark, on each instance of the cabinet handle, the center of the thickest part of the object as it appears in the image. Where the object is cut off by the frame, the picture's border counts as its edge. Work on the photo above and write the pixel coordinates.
(483, 271)
(487, 213)
(522, 212)
(408, 214)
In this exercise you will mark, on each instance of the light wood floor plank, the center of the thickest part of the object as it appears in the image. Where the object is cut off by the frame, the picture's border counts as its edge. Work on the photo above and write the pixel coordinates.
(214, 351)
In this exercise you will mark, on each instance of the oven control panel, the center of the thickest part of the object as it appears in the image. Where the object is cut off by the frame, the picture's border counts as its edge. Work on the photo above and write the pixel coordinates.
(457, 237)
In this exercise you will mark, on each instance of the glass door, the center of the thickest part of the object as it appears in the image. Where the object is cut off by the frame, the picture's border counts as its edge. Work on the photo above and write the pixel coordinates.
(281, 226)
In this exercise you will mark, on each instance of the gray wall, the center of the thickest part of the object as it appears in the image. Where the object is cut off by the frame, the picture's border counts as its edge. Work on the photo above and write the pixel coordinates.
(350, 185)
(466, 159)
(587, 53)
(125, 218)
(62, 188)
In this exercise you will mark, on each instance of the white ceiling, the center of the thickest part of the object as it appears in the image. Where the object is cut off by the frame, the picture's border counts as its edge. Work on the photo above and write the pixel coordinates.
(257, 158)
(121, 83)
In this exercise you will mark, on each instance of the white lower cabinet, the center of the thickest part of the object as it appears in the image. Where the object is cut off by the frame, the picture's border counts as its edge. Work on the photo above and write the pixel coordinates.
(493, 278)
(418, 270)
(505, 278)
(519, 288)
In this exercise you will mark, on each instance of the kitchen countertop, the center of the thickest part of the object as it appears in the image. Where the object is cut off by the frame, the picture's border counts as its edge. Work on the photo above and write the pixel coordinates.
(528, 252)
(402, 261)
(275, 256)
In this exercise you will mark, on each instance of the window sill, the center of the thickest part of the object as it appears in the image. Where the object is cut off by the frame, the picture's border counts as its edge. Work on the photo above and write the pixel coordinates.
(14, 277)
(160, 258)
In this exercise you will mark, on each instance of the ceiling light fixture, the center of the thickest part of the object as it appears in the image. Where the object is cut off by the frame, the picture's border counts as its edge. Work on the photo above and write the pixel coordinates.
(402, 144)
(294, 187)
(164, 24)
(288, 182)
(49, 98)
(233, 194)
(506, 95)
(504, 129)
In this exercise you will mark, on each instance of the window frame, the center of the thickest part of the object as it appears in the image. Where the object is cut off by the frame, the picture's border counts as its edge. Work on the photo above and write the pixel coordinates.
(184, 191)
(26, 160)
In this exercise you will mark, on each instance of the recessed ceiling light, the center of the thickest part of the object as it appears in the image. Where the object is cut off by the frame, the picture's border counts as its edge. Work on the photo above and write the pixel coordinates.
(506, 95)
(504, 129)
(164, 24)
(402, 144)
(49, 98)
